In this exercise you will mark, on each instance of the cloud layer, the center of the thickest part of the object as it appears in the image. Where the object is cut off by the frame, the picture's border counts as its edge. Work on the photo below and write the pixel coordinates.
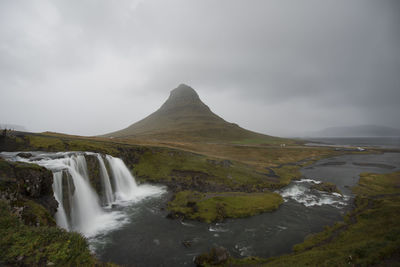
(278, 67)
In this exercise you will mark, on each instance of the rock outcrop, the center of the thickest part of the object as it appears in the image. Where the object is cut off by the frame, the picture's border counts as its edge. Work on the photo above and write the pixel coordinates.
(216, 256)
(28, 190)
(326, 187)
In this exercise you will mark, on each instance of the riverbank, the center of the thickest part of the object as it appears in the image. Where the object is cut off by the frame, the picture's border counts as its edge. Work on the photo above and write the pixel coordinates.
(368, 235)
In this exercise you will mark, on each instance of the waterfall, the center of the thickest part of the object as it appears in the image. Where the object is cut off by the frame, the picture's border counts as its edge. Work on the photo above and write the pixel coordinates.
(105, 182)
(61, 217)
(124, 183)
(85, 206)
(81, 167)
(79, 206)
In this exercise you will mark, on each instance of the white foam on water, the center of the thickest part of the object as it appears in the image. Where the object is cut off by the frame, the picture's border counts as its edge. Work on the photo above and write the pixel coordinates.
(306, 180)
(187, 224)
(217, 228)
(301, 192)
(244, 250)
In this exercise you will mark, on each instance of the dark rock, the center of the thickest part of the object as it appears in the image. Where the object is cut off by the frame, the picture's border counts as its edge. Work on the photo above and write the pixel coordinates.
(93, 167)
(216, 256)
(28, 190)
(26, 155)
(326, 187)
(175, 215)
(191, 204)
(68, 189)
(187, 243)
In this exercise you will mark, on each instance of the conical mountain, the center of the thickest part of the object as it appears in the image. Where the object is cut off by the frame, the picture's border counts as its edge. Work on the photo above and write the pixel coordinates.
(185, 117)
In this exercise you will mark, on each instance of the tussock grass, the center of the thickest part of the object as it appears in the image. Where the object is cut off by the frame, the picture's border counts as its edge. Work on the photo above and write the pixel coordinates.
(211, 207)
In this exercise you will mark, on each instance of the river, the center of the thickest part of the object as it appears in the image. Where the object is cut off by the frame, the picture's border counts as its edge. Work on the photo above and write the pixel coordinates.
(150, 239)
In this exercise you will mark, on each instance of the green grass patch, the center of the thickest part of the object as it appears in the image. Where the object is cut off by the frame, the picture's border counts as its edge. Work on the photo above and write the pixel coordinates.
(270, 140)
(37, 246)
(173, 166)
(210, 207)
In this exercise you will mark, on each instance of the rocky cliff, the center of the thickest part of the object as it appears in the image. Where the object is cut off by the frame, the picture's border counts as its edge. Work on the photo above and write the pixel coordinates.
(27, 188)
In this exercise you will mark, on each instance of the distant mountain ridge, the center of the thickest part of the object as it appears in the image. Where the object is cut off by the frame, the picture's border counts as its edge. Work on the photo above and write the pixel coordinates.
(14, 127)
(185, 117)
(357, 131)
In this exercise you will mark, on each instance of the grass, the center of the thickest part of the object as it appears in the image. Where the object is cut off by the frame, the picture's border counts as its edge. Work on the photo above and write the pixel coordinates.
(260, 141)
(37, 246)
(193, 170)
(211, 207)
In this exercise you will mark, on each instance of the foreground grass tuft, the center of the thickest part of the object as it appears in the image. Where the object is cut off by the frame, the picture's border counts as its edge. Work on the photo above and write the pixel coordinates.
(37, 246)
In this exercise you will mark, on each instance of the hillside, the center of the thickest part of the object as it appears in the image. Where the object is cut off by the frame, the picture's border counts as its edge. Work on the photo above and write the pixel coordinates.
(185, 117)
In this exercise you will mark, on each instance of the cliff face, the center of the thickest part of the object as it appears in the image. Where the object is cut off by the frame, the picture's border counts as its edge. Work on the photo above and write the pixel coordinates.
(27, 188)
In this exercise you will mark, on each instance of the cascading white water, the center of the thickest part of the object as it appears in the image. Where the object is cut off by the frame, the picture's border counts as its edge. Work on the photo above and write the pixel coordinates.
(81, 166)
(85, 208)
(82, 211)
(61, 217)
(105, 182)
(124, 183)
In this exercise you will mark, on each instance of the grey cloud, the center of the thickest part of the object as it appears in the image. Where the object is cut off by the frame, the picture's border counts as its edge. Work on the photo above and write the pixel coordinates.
(117, 60)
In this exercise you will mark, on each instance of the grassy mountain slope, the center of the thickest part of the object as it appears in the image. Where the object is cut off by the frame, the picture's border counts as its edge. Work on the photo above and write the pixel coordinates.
(185, 117)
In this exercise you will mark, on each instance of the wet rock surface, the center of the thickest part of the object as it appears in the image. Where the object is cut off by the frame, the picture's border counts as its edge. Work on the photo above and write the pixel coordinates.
(24, 155)
(216, 256)
(28, 190)
(326, 187)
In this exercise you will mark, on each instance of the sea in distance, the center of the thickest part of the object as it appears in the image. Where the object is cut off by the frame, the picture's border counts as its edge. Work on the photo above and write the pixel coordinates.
(381, 142)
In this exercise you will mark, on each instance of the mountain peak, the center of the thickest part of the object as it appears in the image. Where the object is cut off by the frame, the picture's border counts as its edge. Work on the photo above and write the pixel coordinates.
(182, 96)
(184, 92)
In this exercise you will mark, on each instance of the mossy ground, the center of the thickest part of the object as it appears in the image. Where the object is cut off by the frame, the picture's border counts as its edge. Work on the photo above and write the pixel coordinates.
(368, 236)
(37, 246)
(211, 207)
(185, 168)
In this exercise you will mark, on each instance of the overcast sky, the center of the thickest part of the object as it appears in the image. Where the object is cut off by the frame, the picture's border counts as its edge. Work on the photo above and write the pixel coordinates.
(279, 67)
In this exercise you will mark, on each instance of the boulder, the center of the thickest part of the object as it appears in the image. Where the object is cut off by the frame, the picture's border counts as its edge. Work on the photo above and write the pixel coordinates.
(216, 256)
(26, 155)
(326, 187)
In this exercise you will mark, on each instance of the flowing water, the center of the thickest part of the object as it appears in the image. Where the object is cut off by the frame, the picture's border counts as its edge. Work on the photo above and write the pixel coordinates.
(129, 226)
